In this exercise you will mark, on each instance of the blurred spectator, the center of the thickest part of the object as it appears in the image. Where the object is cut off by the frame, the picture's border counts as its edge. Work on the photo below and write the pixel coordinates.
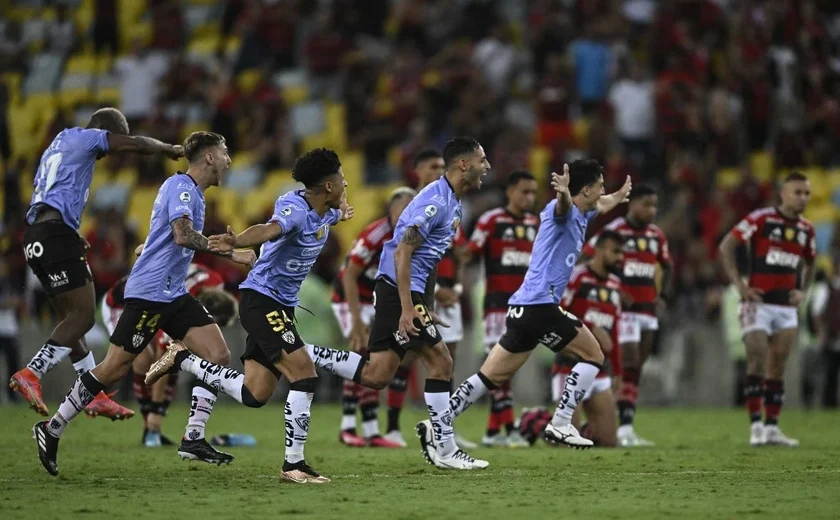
(168, 24)
(140, 73)
(11, 305)
(324, 52)
(12, 46)
(106, 26)
(61, 32)
(554, 95)
(592, 59)
(632, 103)
(112, 246)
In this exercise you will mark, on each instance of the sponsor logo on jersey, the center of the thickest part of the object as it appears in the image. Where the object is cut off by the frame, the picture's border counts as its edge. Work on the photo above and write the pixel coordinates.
(600, 319)
(782, 258)
(639, 270)
(513, 258)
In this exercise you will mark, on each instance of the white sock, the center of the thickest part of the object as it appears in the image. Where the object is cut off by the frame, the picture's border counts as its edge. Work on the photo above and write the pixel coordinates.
(468, 393)
(370, 429)
(342, 363)
(348, 422)
(200, 410)
(47, 358)
(577, 383)
(84, 390)
(86, 364)
(225, 379)
(297, 423)
(441, 418)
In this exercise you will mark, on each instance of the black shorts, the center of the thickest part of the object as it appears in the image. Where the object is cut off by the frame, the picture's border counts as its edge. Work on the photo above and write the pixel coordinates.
(527, 326)
(271, 329)
(56, 254)
(384, 331)
(141, 320)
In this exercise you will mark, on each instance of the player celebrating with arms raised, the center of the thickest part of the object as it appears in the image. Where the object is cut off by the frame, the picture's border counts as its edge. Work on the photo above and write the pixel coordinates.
(534, 316)
(781, 250)
(156, 298)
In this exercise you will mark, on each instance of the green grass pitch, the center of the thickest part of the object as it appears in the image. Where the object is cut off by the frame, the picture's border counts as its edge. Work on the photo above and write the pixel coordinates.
(701, 468)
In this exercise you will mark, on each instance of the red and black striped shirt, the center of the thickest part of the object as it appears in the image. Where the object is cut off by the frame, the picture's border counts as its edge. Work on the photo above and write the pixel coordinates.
(365, 252)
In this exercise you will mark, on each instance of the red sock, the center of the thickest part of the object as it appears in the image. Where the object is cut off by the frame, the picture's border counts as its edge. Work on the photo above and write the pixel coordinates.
(493, 422)
(507, 419)
(774, 392)
(752, 395)
(141, 391)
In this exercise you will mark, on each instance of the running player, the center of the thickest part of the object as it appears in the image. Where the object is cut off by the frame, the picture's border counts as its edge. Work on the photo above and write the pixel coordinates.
(156, 298)
(208, 288)
(534, 316)
(353, 308)
(56, 252)
(594, 294)
(403, 321)
(645, 247)
(781, 248)
(504, 238)
(290, 244)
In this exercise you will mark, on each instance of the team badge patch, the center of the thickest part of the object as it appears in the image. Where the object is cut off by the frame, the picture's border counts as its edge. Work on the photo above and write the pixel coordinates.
(185, 196)
(289, 337)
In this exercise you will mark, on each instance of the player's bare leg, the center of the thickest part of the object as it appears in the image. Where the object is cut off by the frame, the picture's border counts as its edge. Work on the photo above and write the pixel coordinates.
(757, 345)
(634, 355)
(600, 425)
(779, 347)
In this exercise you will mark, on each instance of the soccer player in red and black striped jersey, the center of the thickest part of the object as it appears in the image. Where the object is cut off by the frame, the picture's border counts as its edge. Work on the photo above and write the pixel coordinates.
(782, 249)
(353, 308)
(503, 238)
(594, 296)
(645, 249)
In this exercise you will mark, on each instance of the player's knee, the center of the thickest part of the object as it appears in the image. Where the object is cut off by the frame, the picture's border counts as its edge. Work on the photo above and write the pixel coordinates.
(220, 356)
(377, 381)
(597, 356)
(251, 400)
(307, 385)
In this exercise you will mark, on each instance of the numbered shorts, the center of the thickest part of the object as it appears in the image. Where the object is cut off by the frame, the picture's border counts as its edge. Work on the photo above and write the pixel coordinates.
(271, 329)
(632, 324)
(453, 316)
(142, 319)
(767, 317)
(384, 332)
(601, 384)
(56, 254)
(494, 328)
(345, 321)
(528, 326)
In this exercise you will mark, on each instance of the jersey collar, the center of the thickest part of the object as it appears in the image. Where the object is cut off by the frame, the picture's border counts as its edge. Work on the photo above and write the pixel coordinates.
(300, 194)
(187, 176)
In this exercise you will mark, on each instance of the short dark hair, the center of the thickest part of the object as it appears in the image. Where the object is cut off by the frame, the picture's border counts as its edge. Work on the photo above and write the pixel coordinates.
(607, 235)
(642, 190)
(582, 173)
(795, 177)
(426, 154)
(519, 175)
(220, 304)
(110, 119)
(457, 147)
(197, 142)
(315, 165)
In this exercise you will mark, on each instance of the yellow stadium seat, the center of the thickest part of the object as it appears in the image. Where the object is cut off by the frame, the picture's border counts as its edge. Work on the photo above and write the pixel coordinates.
(83, 15)
(207, 30)
(820, 213)
(228, 203)
(834, 178)
(256, 204)
(295, 94)
(233, 45)
(107, 96)
(203, 46)
(277, 180)
(824, 262)
(69, 99)
(581, 132)
(728, 178)
(820, 184)
(538, 163)
(140, 208)
(13, 81)
(761, 164)
(126, 176)
(247, 80)
(353, 164)
(82, 64)
(310, 142)
(336, 126)
(189, 128)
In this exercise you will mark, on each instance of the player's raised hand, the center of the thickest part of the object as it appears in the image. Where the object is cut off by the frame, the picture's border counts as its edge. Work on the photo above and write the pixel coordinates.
(222, 243)
(560, 183)
(624, 192)
(347, 210)
(244, 257)
(174, 152)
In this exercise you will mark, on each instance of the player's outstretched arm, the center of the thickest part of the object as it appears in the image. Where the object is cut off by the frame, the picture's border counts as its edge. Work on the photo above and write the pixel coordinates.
(255, 235)
(186, 236)
(411, 239)
(560, 183)
(144, 145)
(608, 202)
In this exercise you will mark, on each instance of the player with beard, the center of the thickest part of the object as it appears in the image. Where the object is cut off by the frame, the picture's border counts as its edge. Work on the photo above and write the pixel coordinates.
(157, 299)
(534, 315)
(353, 309)
(290, 243)
(782, 249)
(404, 322)
(56, 252)
(594, 295)
(503, 238)
(645, 248)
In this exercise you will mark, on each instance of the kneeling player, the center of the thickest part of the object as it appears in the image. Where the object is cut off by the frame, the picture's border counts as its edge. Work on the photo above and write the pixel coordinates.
(594, 294)
(534, 317)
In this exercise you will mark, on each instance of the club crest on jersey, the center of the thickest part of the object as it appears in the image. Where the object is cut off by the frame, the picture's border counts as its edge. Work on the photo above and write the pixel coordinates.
(789, 234)
(776, 234)
(802, 237)
(520, 232)
(630, 245)
(508, 234)
(289, 337)
(321, 231)
(593, 295)
(430, 210)
(531, 233)
(654, 246)
(604, 294)
(137, 340)
(642, 244)
(185, 196)
(400, 337)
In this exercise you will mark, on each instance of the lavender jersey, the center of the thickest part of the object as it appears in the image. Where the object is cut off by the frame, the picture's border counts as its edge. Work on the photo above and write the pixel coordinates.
(556, 249)
(64, 174)
(285, 261)
(159, 273)
(436, 213)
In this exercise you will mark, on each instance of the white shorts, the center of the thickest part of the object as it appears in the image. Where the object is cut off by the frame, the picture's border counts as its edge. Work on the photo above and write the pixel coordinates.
(494, 328)
(451, 315)
(767, 317)
(110, 316)
(558, 381)
(345, 322)
(631, 325)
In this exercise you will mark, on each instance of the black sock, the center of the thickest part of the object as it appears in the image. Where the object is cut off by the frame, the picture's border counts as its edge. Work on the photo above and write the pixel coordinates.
(393, 419)
(626, 413)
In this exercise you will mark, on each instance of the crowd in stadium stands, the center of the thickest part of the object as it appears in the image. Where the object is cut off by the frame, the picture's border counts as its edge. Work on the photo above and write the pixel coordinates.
(711, 100)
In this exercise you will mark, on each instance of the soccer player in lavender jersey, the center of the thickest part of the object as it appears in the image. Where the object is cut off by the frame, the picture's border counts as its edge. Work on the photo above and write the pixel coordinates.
(534, 315)
(404, 321)
(56, 252)
(156, 299)
(291, 242)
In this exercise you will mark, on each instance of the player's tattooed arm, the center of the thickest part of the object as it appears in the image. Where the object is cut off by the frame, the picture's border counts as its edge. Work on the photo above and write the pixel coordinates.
(186, 236)
(411, 239)
(144, 145)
